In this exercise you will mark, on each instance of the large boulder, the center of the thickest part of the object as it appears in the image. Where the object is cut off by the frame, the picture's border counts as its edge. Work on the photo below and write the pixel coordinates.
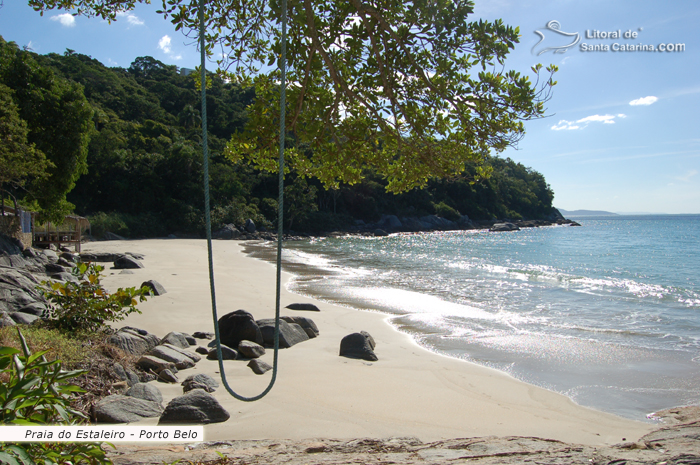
(18, 289)
(390, 222)
(249, 226)
(195, 406)
(237, 326)
(200, 381)
(358, 345)
(125, 409)
(228, 232)
(155, 287)
(250, 349)
(303, 306)
(134, 341)
(127, 262)
(155, 364)
(290, 333)
(145, 391)
(171, 354)
(176, 339)
(503, 227)
(307, 324)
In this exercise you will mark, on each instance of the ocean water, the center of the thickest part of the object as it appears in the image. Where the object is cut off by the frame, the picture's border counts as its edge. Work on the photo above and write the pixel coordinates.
(607, 313)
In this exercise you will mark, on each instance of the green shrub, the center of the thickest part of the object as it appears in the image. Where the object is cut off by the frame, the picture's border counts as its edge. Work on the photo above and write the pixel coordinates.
(447, 212)
(86, 305)
(34, 392)
(102, 222)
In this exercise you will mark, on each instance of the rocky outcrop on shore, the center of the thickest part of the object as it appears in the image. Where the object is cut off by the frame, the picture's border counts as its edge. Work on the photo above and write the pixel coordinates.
(389, 224)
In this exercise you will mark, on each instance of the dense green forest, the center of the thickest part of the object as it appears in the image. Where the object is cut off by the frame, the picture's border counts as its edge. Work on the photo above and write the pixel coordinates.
(123, 147)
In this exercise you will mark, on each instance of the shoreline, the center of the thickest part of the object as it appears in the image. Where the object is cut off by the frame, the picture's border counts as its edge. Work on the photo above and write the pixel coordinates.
(410, 391)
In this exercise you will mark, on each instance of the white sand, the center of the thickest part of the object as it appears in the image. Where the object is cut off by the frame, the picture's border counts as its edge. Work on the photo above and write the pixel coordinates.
(408, 392)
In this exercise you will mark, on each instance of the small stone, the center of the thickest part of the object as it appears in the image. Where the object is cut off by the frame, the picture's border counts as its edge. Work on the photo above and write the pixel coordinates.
(250, 349)
(227, 353)
(155, 287)
(259, 367)
(167, 376)
(202, 350)
(307, 307)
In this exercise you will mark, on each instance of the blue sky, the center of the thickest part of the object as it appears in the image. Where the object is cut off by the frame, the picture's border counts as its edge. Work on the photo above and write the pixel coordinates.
(622, 132)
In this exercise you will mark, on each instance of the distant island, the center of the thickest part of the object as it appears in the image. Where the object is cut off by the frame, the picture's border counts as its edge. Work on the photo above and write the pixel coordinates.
(576, 213)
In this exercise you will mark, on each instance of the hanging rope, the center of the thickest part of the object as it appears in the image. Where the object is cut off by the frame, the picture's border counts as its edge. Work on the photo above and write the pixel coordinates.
(280, 201)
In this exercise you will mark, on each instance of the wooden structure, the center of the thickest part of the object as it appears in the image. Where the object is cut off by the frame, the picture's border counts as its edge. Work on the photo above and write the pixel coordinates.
(70, 232)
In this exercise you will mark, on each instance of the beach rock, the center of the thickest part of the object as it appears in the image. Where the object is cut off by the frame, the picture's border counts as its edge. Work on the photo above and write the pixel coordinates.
(227, 353)
(390, 222)
(54, 268)
(167, 376)
(307, 307)
(5, 320)
(125, 374)
(290, 333)
(102, 257)
(250, 349)
(228, 232)
(134, 341)
(170, 354)
(358, 345)
(194, 357)
(200, 381)
(202, 350)
(237, 326)
(195, 406)
(23, 318)
(155, 286)
(203, 335)
(149, 362)
(249, 226)
(380, 233)
(190, 340)
(127, 262)
(176, 339)
(146, 392)
(504, 227)
(118, 408)
(307, 324)
(259, 367)
(35, 308)
(65, 277)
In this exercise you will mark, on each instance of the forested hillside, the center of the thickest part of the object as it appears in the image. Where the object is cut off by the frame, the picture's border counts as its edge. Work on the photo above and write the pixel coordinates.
(140, 174)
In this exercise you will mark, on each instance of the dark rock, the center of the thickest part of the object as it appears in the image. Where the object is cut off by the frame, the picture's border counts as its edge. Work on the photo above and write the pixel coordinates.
(125, 409)
(308, 307)
(5, 320)
(228, 232)
(34, 308)
(127, 262)
(227, 353)
(65, 263)
(290, 334)
(167, 376)
(249, 226)
(380, 233)
(196, 406)
(146, 392)
(237, 326)
(503, 227)
(259, 367)
(250, 349)
(23, 318)
(170, 354)
(155, 286)
(190, 340)
(149, 362)
(200, 381)
(176, 339)
(99, 256)
(54, 268)
(145, 377)
(203, 335)
(132, 341)
(358, 345)
(65, 277)
(390, 222)
(202, 350)
(307, 324)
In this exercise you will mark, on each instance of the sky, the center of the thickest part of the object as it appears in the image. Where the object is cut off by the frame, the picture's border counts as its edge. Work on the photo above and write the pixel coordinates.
(621, 132)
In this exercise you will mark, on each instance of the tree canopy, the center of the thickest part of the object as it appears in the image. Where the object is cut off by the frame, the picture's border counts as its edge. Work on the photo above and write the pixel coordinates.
(411, 88)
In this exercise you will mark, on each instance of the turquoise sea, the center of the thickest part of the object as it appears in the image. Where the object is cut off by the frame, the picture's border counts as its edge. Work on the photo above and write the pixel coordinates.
(607, 313)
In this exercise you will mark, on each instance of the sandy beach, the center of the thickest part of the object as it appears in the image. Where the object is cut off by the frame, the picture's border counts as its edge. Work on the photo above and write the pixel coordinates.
(409, 392)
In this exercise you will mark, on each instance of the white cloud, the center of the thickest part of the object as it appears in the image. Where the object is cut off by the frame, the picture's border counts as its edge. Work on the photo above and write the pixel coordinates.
(644, 101)
(583, 122)
(66, 19)
(607, 119)
(164, 44)
(565, 125)
(133, 20)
